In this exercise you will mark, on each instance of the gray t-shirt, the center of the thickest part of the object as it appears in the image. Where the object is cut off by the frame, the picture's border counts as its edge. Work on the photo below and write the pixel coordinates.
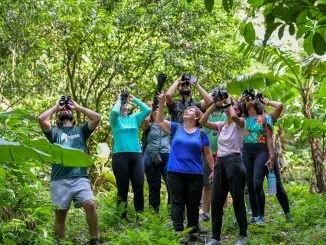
(70, 137)
(153, 140)
(230, 138)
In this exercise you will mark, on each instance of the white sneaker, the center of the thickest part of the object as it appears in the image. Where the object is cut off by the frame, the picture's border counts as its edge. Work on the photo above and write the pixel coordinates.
(214, 242)
(242, 240)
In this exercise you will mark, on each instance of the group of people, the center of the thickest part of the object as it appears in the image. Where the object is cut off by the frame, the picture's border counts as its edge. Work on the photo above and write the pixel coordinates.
(203, 150)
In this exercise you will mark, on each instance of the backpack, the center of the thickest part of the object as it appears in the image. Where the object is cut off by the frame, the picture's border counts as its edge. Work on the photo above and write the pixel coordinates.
(144, 138)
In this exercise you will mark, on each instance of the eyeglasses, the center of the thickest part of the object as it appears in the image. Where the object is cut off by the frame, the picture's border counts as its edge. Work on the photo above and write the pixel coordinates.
(185, 84)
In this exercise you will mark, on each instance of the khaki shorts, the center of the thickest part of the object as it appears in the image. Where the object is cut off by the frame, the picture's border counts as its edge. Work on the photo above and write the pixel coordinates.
(64, 191)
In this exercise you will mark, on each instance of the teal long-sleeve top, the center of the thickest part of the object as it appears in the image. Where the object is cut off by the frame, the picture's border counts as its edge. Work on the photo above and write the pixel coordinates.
(125, 129)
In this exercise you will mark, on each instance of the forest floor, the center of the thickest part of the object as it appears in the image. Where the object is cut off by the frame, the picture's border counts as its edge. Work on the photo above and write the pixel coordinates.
(308, 226)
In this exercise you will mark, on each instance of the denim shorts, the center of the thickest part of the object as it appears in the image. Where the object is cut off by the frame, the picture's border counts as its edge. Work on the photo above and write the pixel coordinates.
(64, 191)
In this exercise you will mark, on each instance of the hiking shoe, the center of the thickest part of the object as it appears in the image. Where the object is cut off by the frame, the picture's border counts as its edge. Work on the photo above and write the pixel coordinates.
(204, 217)
(214, 242)
(289, 217)
(242, 240)
(202, 230)
(94, 241)
(198, 230)
(253, 220)
(260, 220)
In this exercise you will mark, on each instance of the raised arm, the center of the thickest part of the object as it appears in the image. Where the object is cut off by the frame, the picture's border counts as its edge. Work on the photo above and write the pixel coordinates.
(93, 117)
(169, 94)
(207, 98)
(275, 114)
(204, 119)
(145, 124)
(269, 142)
(165, 125)
(114, 114)
(44, 118)
(233, 114)
(144, 110)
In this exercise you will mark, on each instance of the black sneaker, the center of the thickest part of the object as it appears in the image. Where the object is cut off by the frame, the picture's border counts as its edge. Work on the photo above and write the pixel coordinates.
(199, 230)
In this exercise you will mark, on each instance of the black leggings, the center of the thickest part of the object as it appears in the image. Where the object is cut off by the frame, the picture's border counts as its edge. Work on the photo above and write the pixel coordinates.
(185, 191)
(255, 156)
(281, 195)
(129, 166)
(230, 176)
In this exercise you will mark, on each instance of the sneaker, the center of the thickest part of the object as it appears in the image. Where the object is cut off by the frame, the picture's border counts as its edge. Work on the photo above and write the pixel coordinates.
(204, 217)
(199, 230)
(214, 242)
(289, 217)
(202, 230)
(242, 240)
(260, 220)
(253, 220)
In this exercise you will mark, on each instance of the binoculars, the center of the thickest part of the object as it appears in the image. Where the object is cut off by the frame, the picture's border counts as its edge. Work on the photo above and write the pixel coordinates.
(65, 101)
(124, 97)
(220, 95)
(250, 93)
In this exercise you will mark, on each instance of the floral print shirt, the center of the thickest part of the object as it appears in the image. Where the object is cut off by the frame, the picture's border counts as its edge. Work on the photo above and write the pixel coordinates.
(255, 132)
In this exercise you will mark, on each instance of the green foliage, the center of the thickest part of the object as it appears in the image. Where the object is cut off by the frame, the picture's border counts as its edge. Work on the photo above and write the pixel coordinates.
(303, 18)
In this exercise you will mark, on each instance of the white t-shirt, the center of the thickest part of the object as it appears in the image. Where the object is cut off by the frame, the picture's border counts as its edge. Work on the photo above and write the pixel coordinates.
(230, 139)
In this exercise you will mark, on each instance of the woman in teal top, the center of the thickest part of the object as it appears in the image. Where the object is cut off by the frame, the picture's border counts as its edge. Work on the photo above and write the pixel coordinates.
(127, 160)
(257, 152)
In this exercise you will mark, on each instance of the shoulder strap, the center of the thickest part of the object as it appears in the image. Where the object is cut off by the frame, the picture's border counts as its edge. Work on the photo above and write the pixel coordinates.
(202, 133)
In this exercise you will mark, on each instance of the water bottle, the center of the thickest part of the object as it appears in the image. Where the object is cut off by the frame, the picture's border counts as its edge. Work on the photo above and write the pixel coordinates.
(272, 183)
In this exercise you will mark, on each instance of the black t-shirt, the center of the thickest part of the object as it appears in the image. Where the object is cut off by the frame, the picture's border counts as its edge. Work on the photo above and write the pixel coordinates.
(177, 108)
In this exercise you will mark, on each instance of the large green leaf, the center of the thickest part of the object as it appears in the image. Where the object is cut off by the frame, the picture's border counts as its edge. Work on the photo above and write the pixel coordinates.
(322, 90)
(227, 5)
(19, 153)
(68, 157)
(209, 4)
(319, 44)
(256, 3)
(249, 33)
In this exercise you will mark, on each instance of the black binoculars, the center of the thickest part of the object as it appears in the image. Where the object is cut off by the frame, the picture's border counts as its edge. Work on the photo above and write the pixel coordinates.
(250, 93)
(185, 77)
(220, 95)
(65, 101)
(124, 97)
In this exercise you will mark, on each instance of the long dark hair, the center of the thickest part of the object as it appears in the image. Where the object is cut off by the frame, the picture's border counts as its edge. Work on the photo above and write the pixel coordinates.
(259, 107)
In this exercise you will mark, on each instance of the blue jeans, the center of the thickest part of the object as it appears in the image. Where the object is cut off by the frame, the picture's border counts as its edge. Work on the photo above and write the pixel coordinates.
(153, 175)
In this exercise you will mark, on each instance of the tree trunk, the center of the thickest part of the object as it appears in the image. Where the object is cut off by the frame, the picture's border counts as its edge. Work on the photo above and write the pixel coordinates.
(318, 160)
(318, 156)
(280, 146)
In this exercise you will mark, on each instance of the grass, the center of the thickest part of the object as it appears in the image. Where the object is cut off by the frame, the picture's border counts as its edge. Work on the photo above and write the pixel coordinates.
(308, 227)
